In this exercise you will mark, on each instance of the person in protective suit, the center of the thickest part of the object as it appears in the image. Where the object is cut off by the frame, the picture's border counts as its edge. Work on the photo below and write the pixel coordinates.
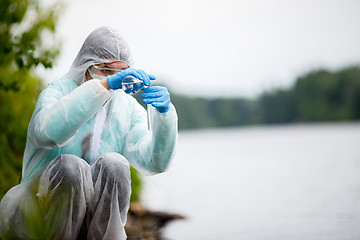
(83, 136)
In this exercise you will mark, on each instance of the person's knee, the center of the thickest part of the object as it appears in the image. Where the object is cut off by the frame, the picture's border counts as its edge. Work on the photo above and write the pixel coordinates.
(114, 164)
(69, 169)
(114, 171)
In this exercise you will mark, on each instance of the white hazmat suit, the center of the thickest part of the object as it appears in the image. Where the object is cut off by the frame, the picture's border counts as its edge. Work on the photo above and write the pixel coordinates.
(81, 140)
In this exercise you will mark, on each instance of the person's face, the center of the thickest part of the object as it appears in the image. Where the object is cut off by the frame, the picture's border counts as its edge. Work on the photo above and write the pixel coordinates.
(105, 69)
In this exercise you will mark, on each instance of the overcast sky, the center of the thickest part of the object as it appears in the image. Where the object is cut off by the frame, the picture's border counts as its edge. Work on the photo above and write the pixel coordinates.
(220, 48)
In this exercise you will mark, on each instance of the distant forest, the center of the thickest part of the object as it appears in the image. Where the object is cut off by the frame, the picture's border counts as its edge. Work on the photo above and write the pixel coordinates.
(319, 95)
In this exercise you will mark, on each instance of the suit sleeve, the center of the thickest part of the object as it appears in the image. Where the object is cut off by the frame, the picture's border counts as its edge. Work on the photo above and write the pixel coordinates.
(57, 116)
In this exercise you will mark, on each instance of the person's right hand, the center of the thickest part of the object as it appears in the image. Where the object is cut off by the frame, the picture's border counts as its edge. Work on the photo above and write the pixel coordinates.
(115, 81)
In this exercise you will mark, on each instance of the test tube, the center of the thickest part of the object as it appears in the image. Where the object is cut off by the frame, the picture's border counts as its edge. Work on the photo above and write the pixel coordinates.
(148, 106)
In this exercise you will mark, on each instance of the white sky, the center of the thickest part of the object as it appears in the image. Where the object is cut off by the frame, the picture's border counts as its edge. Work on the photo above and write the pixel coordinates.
(220, 48)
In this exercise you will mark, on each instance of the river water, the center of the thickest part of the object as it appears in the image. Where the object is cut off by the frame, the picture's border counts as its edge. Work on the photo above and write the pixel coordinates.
(293, 182)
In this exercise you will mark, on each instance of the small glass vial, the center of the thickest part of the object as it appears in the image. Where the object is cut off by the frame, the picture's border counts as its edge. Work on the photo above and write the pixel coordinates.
(132, 85)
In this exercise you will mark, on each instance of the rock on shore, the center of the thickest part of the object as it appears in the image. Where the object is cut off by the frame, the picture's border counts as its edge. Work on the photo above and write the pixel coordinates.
(143, 223)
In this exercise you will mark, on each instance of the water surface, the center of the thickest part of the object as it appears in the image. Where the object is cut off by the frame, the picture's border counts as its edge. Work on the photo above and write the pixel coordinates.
(296, 182)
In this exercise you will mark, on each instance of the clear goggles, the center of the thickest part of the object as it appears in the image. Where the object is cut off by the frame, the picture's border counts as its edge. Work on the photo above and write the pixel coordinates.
(97, 72)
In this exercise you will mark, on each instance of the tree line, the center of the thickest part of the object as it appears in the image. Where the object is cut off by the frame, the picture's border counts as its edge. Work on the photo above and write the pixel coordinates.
(319, 95)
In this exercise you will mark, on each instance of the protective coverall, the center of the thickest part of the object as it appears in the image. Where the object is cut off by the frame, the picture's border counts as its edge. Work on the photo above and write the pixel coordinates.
(80, 142)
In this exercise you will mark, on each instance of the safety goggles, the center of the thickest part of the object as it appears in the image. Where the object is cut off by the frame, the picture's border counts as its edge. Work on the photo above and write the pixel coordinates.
(101, 72)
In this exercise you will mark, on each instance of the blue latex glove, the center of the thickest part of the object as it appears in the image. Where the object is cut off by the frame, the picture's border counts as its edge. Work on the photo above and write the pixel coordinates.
(157, 96)
(115, 81)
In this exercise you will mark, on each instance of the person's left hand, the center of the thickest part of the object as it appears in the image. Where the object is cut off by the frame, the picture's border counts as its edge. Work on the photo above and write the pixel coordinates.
(157, 96)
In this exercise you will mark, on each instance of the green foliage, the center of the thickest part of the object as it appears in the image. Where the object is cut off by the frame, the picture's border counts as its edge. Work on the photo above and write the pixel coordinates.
(15, 113)
(23, 26)
(136, 185)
